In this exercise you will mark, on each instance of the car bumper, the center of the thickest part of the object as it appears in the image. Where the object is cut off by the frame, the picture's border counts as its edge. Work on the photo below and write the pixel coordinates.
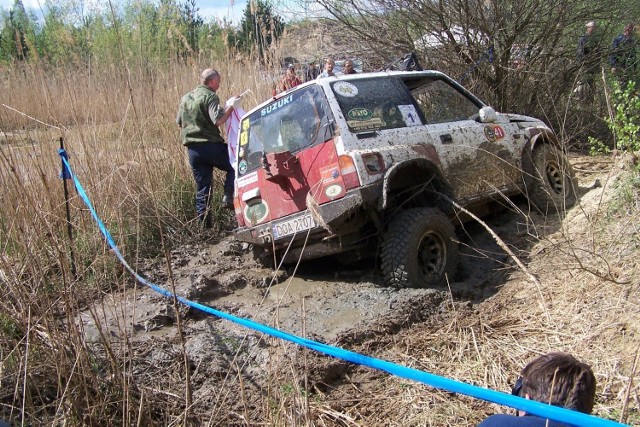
(327, 217)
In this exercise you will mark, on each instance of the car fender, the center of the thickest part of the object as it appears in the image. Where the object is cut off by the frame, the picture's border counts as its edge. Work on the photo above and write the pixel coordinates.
(537, 136)
(419, 168)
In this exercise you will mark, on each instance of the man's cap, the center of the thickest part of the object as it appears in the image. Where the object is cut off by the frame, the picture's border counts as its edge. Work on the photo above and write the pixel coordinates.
(590, 24)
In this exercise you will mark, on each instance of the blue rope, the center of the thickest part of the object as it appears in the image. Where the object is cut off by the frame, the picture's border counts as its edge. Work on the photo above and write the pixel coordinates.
(530, 406)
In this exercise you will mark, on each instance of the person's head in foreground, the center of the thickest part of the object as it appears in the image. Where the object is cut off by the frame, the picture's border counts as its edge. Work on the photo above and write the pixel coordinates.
(555, 378)
(561, 380)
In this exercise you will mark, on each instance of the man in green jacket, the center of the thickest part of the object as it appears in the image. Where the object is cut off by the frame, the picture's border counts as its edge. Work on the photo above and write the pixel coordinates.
(199, 116)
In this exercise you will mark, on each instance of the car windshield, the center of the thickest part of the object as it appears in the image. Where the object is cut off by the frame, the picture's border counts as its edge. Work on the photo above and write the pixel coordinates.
(291, 123)
(376, 104)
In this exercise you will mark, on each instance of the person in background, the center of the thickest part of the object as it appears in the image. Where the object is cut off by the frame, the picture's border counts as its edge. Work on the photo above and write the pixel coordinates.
(623, 55)
(348, 67)
(199, 116)
(290, 79)
(311, 72)
(588, 58)
(328, 68)
(555, 378)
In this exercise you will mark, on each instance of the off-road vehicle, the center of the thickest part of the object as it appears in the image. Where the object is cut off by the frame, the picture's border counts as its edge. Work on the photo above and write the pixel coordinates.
(368, 164)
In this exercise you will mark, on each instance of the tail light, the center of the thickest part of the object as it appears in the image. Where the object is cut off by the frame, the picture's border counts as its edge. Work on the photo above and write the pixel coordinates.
(348, 171)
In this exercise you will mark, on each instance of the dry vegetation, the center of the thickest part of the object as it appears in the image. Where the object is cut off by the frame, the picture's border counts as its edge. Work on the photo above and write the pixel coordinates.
(586, 304)
(118, 127)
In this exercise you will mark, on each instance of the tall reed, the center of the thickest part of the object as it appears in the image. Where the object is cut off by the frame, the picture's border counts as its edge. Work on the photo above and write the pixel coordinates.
(118, 127)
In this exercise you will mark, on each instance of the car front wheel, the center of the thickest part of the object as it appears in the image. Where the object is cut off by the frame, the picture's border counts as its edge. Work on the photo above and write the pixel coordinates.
(418, 249)
(553, 186)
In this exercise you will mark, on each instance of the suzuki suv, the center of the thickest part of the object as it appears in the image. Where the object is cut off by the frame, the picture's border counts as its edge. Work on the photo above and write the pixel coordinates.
(372, 164)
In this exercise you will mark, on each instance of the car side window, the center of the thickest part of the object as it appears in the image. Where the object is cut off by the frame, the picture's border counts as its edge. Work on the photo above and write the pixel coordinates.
(441, 102)
(376, 104)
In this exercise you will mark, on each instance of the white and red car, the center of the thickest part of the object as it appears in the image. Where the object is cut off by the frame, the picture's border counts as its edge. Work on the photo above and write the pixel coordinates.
(369, 163)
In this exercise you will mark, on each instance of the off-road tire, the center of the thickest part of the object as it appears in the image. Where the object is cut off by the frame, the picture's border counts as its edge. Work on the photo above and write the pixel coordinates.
(418, 249)
(553, 187)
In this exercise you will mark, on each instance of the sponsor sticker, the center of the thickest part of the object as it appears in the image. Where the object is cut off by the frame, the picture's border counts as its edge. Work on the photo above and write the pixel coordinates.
(346, 89)
(360, 113)
(243, 181)
(242, 167)
(276, 105)
(489, 133)
(333, 190)
(256, 211)
(359, 126)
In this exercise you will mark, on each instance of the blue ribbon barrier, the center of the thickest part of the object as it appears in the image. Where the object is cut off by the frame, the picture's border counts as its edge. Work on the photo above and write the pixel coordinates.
(64, 172)
(530, 406)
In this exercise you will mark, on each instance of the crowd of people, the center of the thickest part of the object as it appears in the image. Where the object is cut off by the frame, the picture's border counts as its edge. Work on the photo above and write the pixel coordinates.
(622, 58)
(311, 71)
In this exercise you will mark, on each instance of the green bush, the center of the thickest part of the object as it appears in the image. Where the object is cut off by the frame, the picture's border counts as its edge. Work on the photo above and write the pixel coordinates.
(625, 123)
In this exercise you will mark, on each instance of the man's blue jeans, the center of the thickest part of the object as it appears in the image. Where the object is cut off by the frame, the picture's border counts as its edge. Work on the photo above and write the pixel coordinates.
(203, 158)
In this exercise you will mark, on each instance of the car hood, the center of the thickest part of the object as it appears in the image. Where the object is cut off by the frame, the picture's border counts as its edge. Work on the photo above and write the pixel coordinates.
(517, 118)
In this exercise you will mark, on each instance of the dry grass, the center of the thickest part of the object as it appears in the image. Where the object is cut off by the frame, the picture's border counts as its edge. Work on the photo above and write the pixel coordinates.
(118, 126)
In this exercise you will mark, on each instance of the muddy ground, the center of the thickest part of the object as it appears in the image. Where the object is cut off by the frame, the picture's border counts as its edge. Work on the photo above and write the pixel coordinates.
(321, 300)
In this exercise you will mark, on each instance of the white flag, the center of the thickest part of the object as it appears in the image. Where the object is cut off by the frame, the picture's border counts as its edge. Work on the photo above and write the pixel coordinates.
(233, 131)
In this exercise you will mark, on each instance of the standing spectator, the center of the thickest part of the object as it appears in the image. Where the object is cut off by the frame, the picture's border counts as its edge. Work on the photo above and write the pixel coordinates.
(311, 72)
(290, 79)
(623, 55)
(348, 67)
(199, 116)
(555, 378)
(328, 68)
(588, 58)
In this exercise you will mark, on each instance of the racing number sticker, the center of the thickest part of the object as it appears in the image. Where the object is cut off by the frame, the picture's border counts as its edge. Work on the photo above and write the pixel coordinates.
(409, 115)
(489, 133)
(498, 132)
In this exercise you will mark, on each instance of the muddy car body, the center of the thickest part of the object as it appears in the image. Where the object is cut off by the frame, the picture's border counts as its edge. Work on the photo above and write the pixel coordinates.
(368, 164)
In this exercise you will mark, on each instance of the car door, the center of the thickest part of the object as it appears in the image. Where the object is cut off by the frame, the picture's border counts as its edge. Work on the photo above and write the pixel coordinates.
(474, 161)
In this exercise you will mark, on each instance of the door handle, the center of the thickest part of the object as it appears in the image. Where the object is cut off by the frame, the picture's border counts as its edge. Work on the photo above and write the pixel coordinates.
(446, 138)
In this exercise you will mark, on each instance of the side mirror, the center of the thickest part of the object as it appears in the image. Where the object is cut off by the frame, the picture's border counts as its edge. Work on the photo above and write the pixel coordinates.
(487, 115)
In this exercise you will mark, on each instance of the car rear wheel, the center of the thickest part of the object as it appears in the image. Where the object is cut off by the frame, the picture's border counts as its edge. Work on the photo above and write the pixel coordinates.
(418, 249)
(553, 188)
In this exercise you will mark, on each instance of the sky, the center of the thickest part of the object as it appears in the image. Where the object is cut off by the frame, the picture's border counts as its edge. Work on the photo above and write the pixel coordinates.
(216, 9)
(219, 9)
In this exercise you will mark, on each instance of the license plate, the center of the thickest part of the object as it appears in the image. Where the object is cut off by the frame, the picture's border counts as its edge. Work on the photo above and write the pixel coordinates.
(293, 226)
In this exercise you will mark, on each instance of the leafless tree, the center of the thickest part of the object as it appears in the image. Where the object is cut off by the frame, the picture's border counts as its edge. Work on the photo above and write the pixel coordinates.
(519, 55)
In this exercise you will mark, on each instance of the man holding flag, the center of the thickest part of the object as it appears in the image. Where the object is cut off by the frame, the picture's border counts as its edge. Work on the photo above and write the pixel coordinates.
(199, 117)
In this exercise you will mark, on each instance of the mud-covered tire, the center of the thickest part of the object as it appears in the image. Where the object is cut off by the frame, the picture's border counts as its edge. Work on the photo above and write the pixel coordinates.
(553, 187)
(418, 249)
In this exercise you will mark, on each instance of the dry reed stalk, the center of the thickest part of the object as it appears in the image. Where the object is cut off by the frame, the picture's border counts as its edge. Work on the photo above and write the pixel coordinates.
(121, 160)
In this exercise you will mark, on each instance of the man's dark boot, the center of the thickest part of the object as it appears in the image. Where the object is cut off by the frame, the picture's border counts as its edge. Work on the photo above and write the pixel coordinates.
(227, 201)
